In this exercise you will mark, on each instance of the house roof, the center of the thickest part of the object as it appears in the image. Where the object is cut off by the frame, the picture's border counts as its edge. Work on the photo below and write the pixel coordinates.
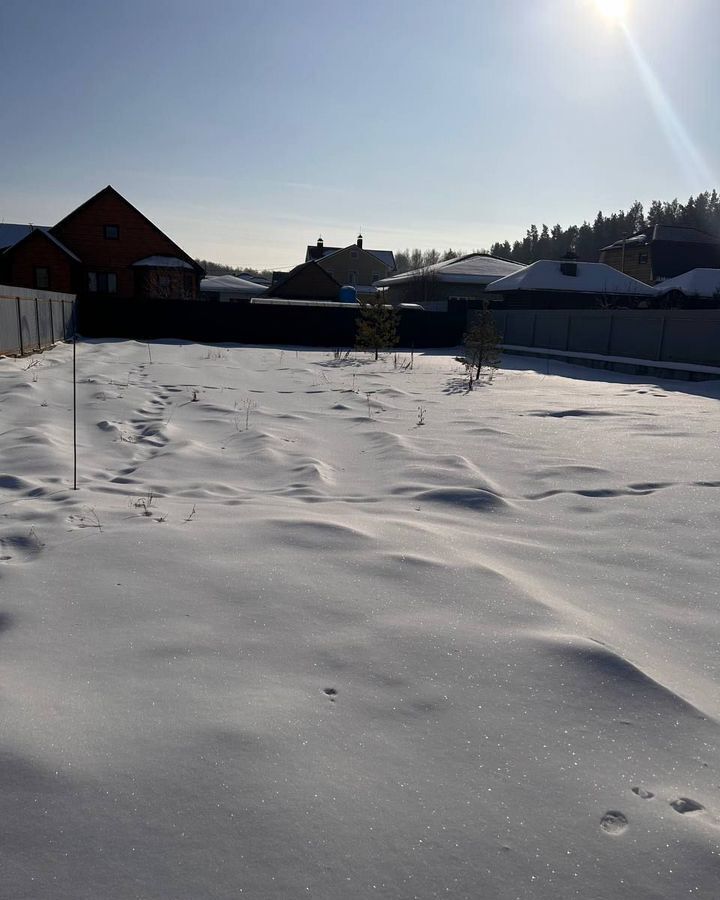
(231, 284)
(111, 190)
(683, 234)
(386, 257)
(43, 230)
(591, 278)
(163, 262)
(10, 233)
(474, 268)
(293, 273)
(696, 283)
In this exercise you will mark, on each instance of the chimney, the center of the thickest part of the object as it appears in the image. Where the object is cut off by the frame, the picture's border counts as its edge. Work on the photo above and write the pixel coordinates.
(359, 241)
(320, 243)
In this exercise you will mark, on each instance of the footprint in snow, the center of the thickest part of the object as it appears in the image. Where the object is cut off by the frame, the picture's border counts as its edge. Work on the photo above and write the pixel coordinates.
(642, 793)
(614, 822)
(330, 693)
(686, 805)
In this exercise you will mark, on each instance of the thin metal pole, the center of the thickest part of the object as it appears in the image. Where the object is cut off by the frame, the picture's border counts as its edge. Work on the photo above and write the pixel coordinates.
(75, 487)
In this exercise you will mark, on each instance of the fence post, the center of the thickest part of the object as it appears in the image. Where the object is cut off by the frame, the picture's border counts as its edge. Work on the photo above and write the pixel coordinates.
(610, 333)
(534, 324)
(37, 323)
(661, 341)
(19, 318)
(567, 331)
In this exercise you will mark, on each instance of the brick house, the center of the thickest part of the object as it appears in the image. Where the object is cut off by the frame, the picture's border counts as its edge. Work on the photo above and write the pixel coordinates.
(104, 247)
(353, 264)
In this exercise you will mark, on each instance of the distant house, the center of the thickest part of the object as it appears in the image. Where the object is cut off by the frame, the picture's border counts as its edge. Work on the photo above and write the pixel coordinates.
(229, 288)
(662, 252)
(455, 284)
(353, 264)
(308, 281)
(699, 288)
(104, 247)
(568, 284)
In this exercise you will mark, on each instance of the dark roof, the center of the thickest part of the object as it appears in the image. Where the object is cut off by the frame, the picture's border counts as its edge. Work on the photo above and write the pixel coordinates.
(46, 233)
(111, 190)
(386, 257)
(309, 268)
(10, 233)
(315, 252)
(683, 234)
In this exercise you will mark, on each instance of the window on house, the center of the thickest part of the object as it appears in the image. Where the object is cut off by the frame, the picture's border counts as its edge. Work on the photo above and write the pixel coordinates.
(112, 232)
(375, 277)
(42, 277)
(642, 258)
(352, 277)
(353, 254)
(102, 282)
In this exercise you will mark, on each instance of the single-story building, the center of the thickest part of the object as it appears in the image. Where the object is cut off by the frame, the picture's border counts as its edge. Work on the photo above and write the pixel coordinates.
(569, 284)
(229, 288)
(449, 286)
(699, 288)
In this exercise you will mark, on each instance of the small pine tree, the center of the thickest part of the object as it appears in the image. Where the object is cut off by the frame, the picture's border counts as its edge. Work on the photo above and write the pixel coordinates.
(482, 345)
(377, 327)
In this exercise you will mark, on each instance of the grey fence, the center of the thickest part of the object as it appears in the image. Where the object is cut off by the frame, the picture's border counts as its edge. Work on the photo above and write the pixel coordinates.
(663, 335)
(33, 320)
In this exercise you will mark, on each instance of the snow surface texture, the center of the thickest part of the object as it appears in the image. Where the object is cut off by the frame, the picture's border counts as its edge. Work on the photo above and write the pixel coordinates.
(286, 641)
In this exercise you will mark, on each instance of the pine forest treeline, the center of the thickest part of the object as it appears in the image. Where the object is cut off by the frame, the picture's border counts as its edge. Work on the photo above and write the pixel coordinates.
(587, 240)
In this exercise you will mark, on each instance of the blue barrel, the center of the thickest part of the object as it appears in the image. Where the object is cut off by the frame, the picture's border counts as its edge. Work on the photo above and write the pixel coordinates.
(348, 294)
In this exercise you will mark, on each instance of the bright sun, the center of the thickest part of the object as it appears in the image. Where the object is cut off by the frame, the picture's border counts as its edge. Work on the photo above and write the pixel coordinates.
(613, 9)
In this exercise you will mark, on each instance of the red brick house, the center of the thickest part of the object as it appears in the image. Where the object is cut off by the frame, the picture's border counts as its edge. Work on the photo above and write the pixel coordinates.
(104, 247)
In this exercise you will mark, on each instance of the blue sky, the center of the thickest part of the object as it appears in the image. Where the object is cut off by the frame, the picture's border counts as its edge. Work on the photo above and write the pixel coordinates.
(245, 129)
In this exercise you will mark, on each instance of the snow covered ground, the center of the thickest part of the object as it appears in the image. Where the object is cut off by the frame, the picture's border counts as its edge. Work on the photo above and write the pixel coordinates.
(339, 654)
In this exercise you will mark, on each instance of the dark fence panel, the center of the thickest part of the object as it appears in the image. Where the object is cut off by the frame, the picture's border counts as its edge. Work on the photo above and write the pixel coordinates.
(551, 330)
(589, 332)
(671, 335)
(212, 322)
(636, 336)
(686, 338)
(519, 329)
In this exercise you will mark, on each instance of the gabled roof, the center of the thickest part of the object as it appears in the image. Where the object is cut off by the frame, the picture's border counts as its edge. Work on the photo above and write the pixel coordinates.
(683, 234)
(110, 190)
(163, 262)
(45, 232)
(315, 252)
(473, 268)
(591, 278)
(231, 283)
(10, 233)
(310, 268)
(696, 283)
(386, 257)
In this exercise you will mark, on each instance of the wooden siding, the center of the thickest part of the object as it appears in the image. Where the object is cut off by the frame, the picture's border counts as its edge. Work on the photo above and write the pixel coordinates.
(632, 264)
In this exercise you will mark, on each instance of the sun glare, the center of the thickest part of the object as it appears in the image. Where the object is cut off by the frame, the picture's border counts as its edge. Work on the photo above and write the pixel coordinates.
(613, 9)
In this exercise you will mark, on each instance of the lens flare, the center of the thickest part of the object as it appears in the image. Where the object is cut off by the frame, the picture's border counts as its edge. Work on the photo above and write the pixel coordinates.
(613, 9)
